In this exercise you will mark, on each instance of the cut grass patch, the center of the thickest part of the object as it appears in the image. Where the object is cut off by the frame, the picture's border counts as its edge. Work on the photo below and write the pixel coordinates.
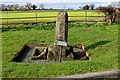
(100, 40)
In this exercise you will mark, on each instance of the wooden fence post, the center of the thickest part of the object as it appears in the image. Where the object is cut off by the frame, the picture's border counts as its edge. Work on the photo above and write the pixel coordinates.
(86, 16)
(36, 16)
(105, 18)
(7, 17)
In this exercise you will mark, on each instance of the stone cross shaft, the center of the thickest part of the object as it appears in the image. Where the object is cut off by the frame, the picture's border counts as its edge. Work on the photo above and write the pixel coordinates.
(61, 34)
(62, 27)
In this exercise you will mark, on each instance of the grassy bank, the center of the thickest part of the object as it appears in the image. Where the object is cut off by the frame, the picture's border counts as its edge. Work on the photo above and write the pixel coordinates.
(100, 40)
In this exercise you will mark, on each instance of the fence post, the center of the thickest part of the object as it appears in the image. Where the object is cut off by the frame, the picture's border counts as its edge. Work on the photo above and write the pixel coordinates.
(36, 16)
(105, 18)
(86, 16)
(7, 17)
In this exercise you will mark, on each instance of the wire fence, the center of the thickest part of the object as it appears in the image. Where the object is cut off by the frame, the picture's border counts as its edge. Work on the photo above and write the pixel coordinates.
(41, 17)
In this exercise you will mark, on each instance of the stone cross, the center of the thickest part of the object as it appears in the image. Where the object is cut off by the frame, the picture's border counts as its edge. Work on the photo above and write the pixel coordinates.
(61, 33)
(62, 26)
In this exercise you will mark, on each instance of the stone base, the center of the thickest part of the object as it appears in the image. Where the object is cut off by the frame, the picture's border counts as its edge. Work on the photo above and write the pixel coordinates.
(48, 53)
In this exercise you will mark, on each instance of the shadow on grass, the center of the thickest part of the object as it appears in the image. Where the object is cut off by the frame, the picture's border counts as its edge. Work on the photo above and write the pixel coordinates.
(93, 46)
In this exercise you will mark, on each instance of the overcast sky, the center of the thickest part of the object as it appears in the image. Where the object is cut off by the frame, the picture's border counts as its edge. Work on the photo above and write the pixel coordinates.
(58, 4)
(54, 1)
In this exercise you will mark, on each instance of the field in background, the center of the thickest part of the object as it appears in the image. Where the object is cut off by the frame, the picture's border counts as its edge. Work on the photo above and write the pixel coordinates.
(100, 40)
(47, 16)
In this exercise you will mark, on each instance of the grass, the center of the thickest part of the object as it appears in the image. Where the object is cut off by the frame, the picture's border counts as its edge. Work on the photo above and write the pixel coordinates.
(100, 40)
(22, 14)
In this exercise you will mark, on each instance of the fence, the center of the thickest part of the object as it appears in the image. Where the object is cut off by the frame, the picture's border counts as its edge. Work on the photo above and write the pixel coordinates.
(24, 17)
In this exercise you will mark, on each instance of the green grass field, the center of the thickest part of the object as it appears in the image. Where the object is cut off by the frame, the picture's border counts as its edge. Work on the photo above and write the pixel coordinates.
(22, 14)
(100, 40)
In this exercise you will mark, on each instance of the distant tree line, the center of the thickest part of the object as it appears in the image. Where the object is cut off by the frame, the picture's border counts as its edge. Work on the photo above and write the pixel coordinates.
(87, 7)
(30, 6)
(92, 6)
(16, 7)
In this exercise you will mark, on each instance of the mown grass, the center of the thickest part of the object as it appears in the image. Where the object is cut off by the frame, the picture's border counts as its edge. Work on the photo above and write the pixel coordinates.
(100, 40)
(19, 14)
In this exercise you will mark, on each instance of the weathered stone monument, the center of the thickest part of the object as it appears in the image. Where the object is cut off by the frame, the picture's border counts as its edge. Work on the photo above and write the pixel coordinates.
(59, 51)
(62, 27)
(61, 35)
(62, 49)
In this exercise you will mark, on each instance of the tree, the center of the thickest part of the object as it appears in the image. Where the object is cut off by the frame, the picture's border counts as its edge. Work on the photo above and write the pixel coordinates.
(28, 5)
(64, 6)
(80, 7)
(2, 7)
(106, 10)
(34, 7)
(51, 8)
(22, 8)
(118, 4)
(16, 6)
(86, 7)
(10, 7)
(92, 6)
(114, 4)
(109, 12)
(41, 6)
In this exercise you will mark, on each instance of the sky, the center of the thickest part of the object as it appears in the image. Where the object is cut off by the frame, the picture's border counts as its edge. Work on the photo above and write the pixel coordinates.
(60, 3)
(54, 1)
